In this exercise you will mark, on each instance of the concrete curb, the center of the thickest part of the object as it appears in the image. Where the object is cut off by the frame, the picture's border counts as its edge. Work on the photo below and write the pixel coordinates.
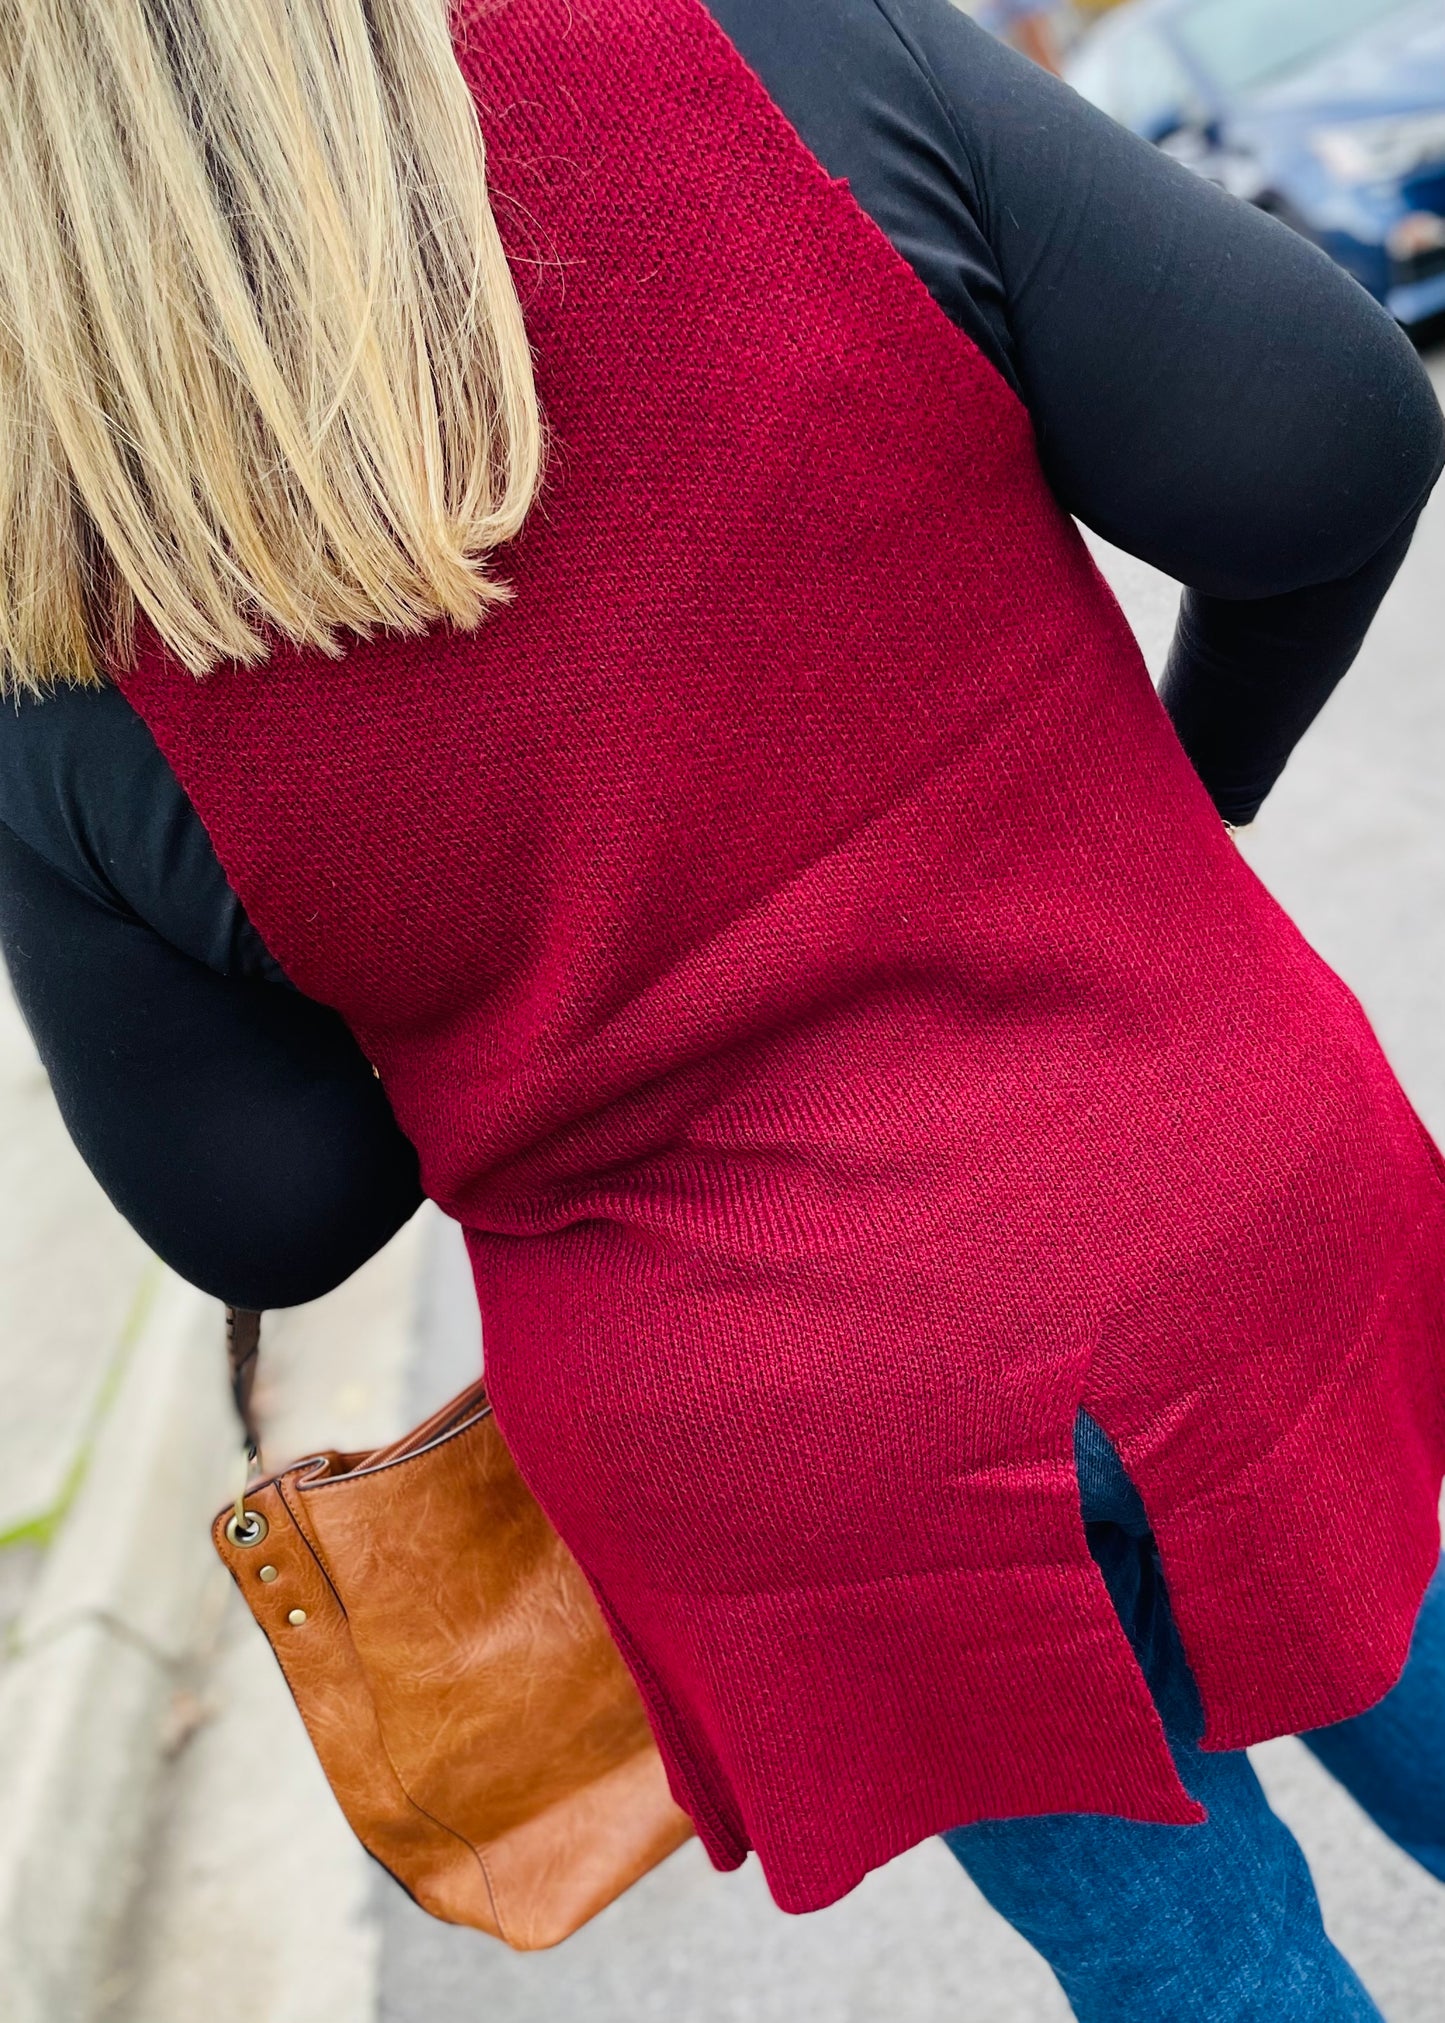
(114, 1615)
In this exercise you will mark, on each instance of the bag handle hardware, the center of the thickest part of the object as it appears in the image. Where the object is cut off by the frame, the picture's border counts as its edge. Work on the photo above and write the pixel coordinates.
(243, 1345)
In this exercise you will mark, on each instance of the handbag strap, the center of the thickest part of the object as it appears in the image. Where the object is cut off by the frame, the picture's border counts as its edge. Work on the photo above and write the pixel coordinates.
(243, 1347)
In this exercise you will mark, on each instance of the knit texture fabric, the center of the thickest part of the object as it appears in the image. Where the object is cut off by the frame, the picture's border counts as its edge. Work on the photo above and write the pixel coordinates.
(811, 972)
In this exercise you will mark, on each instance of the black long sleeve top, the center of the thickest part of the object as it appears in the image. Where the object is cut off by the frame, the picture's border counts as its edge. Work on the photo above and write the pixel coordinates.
(1207, 392)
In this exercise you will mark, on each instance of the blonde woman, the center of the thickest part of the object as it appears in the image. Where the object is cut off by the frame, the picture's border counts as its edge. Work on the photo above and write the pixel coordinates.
(593, 630)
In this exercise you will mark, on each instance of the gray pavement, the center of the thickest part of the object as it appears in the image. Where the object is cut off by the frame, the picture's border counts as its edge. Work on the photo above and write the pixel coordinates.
(259, 1907)
(57, 1232)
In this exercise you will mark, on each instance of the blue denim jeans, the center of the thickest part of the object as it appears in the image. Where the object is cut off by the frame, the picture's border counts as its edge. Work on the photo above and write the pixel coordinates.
(1216, 1923)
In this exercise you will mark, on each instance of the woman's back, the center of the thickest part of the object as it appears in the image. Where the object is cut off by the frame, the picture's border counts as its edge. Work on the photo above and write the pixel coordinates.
(793, 938)
(775, 986)
(1280, 479)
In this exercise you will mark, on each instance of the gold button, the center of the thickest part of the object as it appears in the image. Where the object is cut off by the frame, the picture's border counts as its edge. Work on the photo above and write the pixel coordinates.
(297, 1616)
(268, 1573)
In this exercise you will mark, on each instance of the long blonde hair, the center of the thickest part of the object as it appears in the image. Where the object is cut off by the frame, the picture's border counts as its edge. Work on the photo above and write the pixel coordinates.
(262, 366)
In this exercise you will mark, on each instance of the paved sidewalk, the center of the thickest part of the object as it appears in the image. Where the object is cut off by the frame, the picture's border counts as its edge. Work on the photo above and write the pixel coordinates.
(70, 1275)
(256, 1904)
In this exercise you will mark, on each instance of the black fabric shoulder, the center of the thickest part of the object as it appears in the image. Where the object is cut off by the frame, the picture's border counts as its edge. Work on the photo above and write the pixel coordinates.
(236, 1126)
(1209, 391)
(83, 783)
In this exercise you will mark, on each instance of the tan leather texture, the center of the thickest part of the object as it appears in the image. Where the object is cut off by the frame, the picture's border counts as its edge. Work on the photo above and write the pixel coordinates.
(469, 1708)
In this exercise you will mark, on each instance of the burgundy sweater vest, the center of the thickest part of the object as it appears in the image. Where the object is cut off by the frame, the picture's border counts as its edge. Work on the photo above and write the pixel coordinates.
(812, 974)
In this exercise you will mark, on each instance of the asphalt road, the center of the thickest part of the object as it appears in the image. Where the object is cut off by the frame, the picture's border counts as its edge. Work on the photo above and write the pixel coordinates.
(1353, 842)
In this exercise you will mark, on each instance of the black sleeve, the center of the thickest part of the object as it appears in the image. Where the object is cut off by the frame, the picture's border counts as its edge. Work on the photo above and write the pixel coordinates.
(1246, 678)
(233, 1122)
(83, 782)
(1209, 391)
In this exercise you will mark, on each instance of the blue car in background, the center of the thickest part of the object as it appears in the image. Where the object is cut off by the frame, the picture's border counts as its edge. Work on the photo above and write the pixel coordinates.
(1329, 113)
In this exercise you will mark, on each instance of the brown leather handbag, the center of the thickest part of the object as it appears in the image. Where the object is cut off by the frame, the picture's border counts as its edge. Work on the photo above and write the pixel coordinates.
(469, 1709)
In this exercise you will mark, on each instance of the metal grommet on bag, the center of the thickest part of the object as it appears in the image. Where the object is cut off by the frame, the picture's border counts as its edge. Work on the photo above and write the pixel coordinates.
(246, 1527)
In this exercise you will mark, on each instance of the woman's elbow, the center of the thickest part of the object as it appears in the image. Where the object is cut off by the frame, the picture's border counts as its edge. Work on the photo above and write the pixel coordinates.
(1366, 459)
